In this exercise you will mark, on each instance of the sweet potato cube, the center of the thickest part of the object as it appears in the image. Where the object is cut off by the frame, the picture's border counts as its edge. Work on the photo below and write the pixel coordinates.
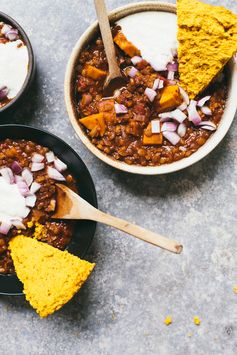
(93, 72)
(170, 98)
(125, 45)
(90, 122)
(150, 138)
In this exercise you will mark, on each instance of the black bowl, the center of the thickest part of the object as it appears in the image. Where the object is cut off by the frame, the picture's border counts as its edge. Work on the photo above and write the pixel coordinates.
(31, 70)
(84, 230)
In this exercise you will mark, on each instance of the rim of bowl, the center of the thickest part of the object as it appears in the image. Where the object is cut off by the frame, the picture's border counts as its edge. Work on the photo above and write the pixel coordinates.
(21, 126)
(31, 67)
(203, 151)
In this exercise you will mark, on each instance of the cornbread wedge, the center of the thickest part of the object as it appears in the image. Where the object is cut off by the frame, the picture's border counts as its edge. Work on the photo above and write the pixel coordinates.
(207, 38)
(50, 277)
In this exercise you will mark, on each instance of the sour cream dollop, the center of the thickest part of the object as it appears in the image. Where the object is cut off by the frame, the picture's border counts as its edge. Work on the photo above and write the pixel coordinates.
(12, 202)
(154, 33)
(14, 60)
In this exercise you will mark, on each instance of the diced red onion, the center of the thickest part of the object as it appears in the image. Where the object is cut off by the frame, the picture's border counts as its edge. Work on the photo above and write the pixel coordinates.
(193, 115)
(169, 126)
(170, 75)
(208, 128)
(3, 92)
(12, 34)
(50, 157)
(151, 94)
(183, 106)
(37, 167)
(60, 165)
(5, 227)
(165, 116)
(30, 200)
(7, 175)
(16, 168)
(132, 72)
(27, 176)
(55, 174)
(161, 84)
(37, 158)
(206, 110)
(18, 178)
(172, 137)
(23, 188)
(120, 109)
(207, 123)
(173, 67)
(17, 223)
(156, 84)
(184, 95)
(174, 51)
(136, 59)
(182, 130)
(5, 29)
(178, 115)
(203, 101)
(155, 126)
(35, 187)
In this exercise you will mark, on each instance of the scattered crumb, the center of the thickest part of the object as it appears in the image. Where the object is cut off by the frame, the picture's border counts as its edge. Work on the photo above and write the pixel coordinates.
(196, 320)
(168, 320)
(113, 316)
(235, 289)
(190, 334)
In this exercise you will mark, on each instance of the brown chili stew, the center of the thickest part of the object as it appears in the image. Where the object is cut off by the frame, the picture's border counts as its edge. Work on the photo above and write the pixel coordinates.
(57, 234)
(122, 138)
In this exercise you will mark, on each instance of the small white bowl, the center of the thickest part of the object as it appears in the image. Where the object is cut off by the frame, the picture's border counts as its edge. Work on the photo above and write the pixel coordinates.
(212, 142)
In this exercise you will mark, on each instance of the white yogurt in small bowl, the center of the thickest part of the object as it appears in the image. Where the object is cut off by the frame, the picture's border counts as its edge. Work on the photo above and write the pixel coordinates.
(16, 62)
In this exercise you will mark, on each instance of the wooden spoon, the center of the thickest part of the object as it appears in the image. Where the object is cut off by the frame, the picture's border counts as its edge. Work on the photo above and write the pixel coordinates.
(114, 80)
(72, 206)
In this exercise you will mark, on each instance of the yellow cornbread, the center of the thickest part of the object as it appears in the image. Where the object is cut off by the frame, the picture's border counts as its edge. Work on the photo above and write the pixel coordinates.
(207, 38)
(39, 229)
(50, 276)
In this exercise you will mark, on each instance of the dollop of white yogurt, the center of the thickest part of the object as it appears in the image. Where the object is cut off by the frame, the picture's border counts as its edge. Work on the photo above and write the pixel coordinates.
(12, 202)
(154, 33)
(14, 60)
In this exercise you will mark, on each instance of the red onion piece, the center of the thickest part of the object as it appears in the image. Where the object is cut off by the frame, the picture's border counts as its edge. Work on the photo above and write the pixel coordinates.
(37, 158)
(55, 174)
(3, 92)
(18, 223)
(12, 34)
(178, 115)
(155, 126)
(207, 123)
(5, 28)
(35, 187)
(37, 167)
(170, 75)
(183, 106)
(136, 59)
(184, 95)
(206, 110)
(18, 178)
(182, 129)
(120, 109)
(161, 84)
(5, 227)
(132, 72)
(23, 188)
(30, 200)
(203, 101)
(172, 67)
(193, 115)
(50, 157)
(16, 168)
(169, 126)
(27, 176)
(208, 128)
(151, 94)
(60, 165)
(7, 175)
(156, 84)
(172, 137)
(174, 51)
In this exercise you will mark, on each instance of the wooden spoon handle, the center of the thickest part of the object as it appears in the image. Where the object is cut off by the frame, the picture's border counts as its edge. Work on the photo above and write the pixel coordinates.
(107, 37)
(138, 232)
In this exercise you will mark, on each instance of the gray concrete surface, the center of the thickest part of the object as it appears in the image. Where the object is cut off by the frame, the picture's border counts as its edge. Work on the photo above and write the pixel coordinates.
(135, 286)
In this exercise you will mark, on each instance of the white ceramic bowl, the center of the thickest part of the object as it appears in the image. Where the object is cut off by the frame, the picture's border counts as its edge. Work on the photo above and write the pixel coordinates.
(212, 142)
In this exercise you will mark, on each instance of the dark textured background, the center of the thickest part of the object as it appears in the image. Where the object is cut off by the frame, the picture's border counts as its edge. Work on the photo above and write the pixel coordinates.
(134, 286)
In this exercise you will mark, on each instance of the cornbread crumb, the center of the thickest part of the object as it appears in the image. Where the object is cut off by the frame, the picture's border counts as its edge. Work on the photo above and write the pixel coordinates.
(30, 224)
(50, 276)
(235, 289)
(190, 334)
(207, 38)
(196, 320)
(168, 320)
(39, 229)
